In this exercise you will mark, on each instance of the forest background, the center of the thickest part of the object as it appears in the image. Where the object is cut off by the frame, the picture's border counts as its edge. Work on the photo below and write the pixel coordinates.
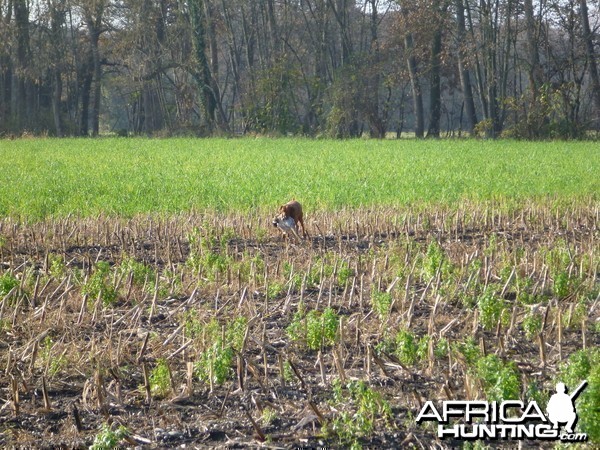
(336, 68)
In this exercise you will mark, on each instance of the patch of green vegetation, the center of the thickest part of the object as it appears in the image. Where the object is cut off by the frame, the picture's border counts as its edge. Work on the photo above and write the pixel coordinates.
(314, 328)
(5, 325)
(193, 326)
(532, 324)
(435, 260)
(585, 365)
(500, 379)
(408, 347)
(7, 282)
(56, 266)
(492, 310)
(269, 415)
(99, 285)
(528, 299)
(247, 265)
(160, 379)
(86, 177)
(274, 290)
(382, 302)
(52, 363)
(468, 349)
(220, 342)
(344, 274)
(207, 251)
(362, 405)
(288, 372)
(108, 439)
(320, 270)
(535, 392)
(141, 273)
(575, 316)
(441, 348)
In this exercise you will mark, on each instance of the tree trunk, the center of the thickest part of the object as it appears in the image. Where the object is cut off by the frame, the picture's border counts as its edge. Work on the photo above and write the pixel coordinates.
(274, 29)
(86, 87)
(377, 124)
(6, 73)
(57, 22)
(435, 91)
(56, 102)
(415, 86)
(314, 116)
(19, 95)
(93, 18)
(490, 43)
(534, 70)
(340, 11)
(536, 117)
(349, 126)
(202, 75)
(589, 46)
(97, 84)
(220, 117)
(5, 92)
(464, 74)
(413, 73)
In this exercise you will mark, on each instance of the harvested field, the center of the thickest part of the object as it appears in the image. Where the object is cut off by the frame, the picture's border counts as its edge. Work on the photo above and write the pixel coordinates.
(211, 331)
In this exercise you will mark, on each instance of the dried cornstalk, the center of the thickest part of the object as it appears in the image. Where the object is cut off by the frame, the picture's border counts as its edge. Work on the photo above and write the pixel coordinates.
(14, 388)
(47, 405)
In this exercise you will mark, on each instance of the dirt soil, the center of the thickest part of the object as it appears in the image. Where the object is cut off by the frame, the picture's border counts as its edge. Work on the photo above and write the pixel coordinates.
(69, 363)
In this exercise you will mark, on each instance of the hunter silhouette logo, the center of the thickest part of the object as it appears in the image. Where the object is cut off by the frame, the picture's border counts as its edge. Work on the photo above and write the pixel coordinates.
(509, 419)
(561, 407)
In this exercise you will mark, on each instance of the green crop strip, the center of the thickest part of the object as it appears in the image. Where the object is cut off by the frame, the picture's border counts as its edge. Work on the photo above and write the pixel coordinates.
(53, 178)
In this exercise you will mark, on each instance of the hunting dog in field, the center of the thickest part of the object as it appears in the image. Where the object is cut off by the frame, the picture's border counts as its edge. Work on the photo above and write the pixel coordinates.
(290, 215)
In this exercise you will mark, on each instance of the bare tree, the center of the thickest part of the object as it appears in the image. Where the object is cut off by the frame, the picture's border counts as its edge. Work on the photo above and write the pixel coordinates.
(21, 84)
(202, 73)
(463, 70)
(93, 15)
(6, 64)
(57, 9)
(438, 12)
(591, 56)
(413, 71)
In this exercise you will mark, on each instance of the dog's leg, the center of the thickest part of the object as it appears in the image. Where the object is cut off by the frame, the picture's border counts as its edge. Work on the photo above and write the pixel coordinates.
(304, 233)
(294, 231)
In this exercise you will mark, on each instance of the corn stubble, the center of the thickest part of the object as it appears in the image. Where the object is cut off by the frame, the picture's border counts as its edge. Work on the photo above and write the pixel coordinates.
(194, 328)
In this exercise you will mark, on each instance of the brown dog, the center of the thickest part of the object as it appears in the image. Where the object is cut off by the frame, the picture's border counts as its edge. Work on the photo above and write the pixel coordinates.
(291, 209)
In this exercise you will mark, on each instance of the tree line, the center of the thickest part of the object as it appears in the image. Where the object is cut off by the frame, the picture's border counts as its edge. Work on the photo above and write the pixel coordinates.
(340, 68)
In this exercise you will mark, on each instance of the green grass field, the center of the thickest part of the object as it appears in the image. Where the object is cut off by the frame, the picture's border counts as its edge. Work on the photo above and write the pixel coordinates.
(53, 178)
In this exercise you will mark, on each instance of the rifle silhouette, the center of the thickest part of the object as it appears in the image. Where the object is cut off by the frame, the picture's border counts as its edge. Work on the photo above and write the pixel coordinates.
(577, 391)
